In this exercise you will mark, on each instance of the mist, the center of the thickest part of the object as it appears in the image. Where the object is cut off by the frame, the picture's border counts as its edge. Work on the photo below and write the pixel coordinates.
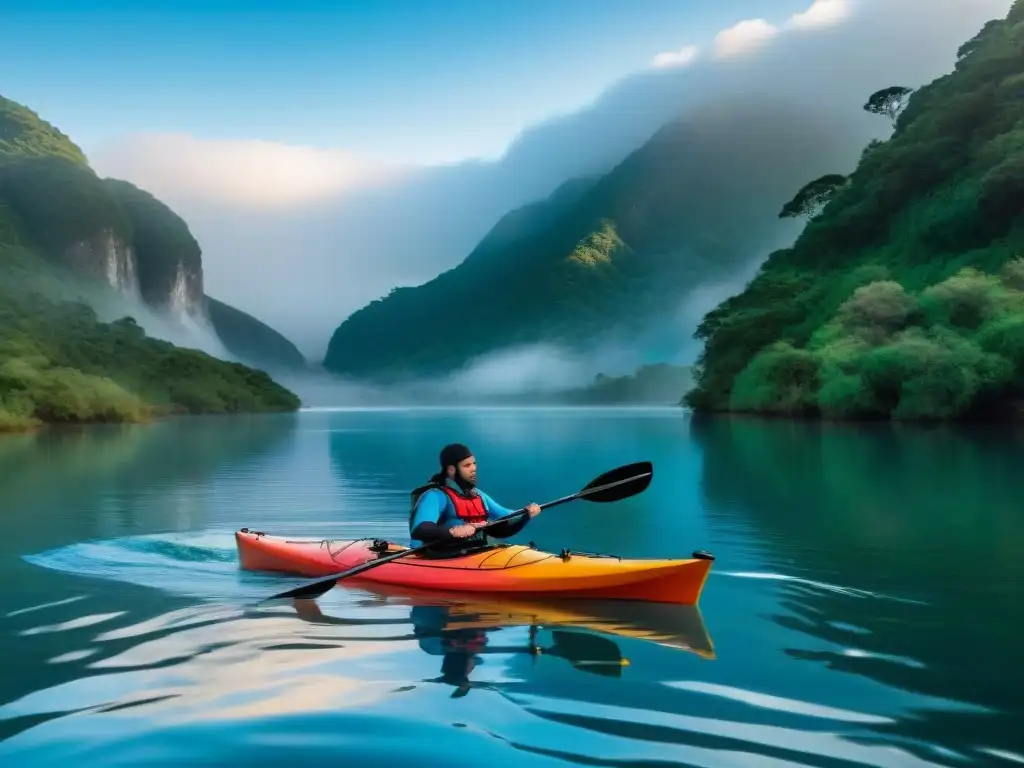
(189, 330)
(536, 369)
(303, 262)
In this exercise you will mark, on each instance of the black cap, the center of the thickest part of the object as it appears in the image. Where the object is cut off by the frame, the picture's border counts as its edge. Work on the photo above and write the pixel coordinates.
(452, 454)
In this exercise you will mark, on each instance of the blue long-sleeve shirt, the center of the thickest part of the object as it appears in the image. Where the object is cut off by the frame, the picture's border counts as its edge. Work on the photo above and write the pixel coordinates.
(434, 506)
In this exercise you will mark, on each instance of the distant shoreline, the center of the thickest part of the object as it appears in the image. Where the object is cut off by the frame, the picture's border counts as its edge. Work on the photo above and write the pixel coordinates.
(159, 418)
(1001, 425)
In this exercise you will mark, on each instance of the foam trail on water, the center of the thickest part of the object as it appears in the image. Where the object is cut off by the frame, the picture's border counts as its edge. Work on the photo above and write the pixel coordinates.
(200, 564)
(43, 606)
(825, 586)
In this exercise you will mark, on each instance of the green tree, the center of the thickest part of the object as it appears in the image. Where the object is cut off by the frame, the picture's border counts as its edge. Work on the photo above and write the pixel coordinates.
(888, 102)
(975, 42)
(812, 197)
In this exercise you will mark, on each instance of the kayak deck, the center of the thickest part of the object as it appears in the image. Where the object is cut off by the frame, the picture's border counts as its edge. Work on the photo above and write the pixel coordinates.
(504, 568)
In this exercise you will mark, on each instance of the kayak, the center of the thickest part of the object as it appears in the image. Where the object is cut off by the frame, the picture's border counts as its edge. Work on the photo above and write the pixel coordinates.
(502, 568)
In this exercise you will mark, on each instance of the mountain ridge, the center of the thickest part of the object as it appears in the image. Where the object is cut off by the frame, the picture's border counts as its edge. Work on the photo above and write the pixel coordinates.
(682, 210)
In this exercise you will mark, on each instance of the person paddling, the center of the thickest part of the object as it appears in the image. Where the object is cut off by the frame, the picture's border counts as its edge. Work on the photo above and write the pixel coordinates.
(450, 508)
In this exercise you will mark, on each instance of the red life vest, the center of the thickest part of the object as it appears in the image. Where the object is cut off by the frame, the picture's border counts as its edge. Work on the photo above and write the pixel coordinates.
(469, 509)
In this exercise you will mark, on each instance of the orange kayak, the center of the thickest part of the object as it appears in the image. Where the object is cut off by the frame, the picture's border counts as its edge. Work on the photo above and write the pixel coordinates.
(504, 568)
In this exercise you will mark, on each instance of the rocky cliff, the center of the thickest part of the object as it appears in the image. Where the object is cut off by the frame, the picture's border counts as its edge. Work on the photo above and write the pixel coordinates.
(110, 232)
(169, 260)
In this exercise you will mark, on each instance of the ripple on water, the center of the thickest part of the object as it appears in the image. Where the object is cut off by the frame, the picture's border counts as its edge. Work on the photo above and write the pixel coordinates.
(373, 678)
(43, 606)
(811, 585)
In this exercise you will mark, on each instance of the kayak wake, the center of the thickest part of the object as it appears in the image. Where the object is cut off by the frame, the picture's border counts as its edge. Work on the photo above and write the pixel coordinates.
(820, 586)
(200, 564)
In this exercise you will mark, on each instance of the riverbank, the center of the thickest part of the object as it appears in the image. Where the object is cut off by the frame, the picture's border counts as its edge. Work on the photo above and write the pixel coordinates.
(21, 425)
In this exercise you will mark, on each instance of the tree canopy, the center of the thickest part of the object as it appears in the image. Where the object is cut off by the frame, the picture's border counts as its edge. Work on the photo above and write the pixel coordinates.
(888, 102)
(813, 196)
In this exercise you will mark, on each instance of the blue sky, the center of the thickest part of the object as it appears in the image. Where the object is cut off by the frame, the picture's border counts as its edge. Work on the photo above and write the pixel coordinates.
(403, 80)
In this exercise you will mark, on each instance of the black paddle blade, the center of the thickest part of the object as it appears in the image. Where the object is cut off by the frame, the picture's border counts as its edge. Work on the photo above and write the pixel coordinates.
(625, 481)
(306, 591)
(588, 652)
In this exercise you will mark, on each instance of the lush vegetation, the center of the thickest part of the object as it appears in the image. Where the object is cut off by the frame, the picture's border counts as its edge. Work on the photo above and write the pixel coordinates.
(47, 184)
(61, 203)
(23, 134)
(252, 339)
(904, 295)
(602, 260)
(58, 362)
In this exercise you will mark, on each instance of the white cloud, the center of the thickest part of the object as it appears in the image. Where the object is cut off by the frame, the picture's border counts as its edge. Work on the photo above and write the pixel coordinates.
(240, 172)
(679, 58)
(743, 38)
(822, 13)
(749, 35)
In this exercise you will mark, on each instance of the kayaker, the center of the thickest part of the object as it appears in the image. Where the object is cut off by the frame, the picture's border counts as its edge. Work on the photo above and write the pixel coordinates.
(449, 508)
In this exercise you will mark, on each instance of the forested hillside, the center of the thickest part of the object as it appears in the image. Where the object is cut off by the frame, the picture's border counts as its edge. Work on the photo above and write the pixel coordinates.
(904, 295)
(251, 339)
(602, 260)
(68, 238)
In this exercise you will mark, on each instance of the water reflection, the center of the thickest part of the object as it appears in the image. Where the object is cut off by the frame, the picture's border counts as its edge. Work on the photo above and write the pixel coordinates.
(377, 673)
(74, 485)
(116, 479)
(916, 533)
(149, 675)
(460, 635)
(511, 444)
(457, 628)
(844, 611)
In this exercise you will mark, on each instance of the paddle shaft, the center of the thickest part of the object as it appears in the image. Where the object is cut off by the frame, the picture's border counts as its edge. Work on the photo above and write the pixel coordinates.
(518, 513)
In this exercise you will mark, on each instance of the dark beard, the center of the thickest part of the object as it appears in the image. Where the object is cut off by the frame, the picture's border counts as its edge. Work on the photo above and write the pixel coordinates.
(464, 484)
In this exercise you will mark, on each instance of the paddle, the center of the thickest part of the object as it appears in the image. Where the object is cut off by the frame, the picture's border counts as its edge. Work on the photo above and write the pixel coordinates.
(614, 485)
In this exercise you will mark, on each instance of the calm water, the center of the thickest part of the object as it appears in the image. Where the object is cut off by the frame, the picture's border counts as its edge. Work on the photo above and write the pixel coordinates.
(866, 605)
